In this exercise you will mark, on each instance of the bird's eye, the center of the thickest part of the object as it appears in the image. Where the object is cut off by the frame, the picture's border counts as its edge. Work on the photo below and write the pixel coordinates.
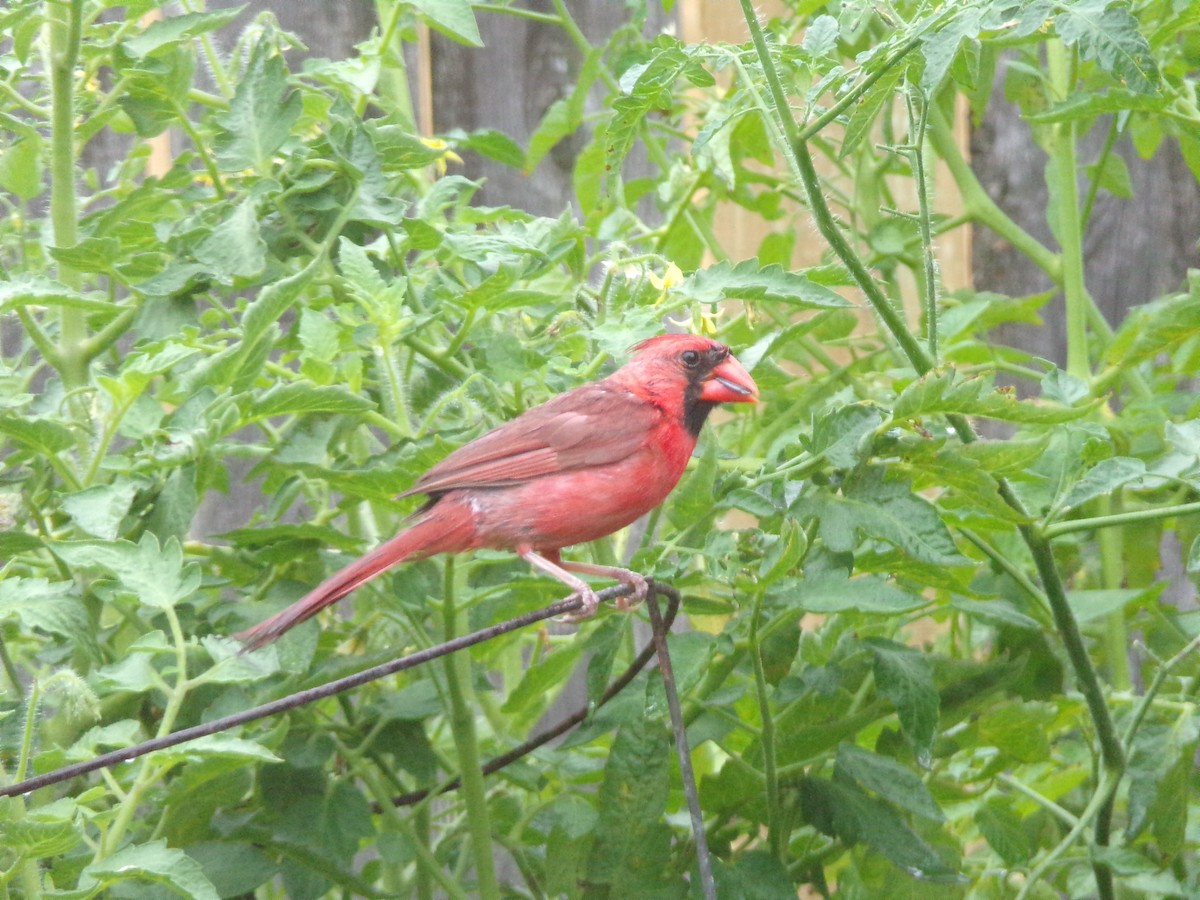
(691, 358)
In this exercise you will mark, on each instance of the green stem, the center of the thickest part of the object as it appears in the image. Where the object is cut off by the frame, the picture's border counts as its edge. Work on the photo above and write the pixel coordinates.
(775, 836)
(802, 163)
(1104, 791)
(1122, 518)
(64, 28)
(28, 872)
(924, 218)
(980, 207)
(1116, 635)
(1064, 171)
(149, 773)
(1112, 751)
(462, 727)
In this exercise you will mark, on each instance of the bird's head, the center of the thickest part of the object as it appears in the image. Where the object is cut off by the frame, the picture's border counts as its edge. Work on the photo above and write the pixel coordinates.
(700, 371)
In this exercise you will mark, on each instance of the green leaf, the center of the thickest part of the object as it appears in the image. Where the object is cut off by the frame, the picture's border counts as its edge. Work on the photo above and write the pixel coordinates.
(1107, 32)
(821, 35)
(234, 248)
(941, 46)
(42, 436)
(155, 863)
(38, 838)
(1018, 729)
(21, 170)
(886, 510)
(1159, 327)
(217, 746)
(844, 811)
(841, 435)
(542, 681)
(299, 398)
(944, 392)
(48, 605)
(454, 18)
(747, 281)
(832, 593)
(99, 510)
(1001, 828)
(155, 574)
(234, 869)
(260, 116)
(904, 676)
(177, 28)
(1103, 478)
(1095, 604)
(867, 109)
(887, 778)
(631, 844)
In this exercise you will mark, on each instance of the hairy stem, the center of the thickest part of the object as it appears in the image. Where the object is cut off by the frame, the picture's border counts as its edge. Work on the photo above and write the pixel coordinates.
(466, 743)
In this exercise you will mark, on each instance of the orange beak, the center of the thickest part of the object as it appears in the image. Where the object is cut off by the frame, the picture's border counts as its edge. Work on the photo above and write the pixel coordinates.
(729, 383)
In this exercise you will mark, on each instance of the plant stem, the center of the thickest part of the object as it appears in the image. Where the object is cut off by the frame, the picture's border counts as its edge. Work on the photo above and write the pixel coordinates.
(64, 29)
(1122, 518)
(1116, 635)
(775, 838)
(917, 128)
(1064, 169)
(462, 727)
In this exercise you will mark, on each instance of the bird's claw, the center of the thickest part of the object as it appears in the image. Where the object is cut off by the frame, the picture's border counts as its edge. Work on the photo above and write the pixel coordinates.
(641, 588)
(587, 608)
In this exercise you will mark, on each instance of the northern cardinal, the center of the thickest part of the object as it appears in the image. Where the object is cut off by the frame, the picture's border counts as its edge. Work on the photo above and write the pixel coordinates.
(580, 466)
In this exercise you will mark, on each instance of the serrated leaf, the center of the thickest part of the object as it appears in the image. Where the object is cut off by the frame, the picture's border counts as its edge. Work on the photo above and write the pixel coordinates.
(844, 811)
(840, 435)
(1018, 729)
(155, 863)
(747, 281)
(38, 839)
(868, 108)
(1158, 327)
(1107, 32)
(454, 18)
(261, 114)
(631, 844)
(837, 593)
(821, 35)
(886, 510)
(156, 575)
(1001, 828)
(889, 779)
(215, 746)
(99, 510)
(1098, 603)
(1103, 478)
(945, 392)
(543, 679)
(941, 46)
(43, 436)
(299, 398)
(904, 676)
(234, 248)
(178, 28)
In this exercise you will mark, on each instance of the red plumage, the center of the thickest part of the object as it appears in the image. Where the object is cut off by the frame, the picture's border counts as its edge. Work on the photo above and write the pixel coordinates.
(580, 466)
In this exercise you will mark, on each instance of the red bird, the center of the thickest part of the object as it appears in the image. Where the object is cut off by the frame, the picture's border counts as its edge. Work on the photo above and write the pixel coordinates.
(580, 466)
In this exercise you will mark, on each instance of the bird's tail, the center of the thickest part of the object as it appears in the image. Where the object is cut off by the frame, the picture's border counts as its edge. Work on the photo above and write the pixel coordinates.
(447, 528)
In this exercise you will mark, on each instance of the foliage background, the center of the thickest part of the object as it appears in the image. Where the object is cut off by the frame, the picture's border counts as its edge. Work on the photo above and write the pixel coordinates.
(986, 698)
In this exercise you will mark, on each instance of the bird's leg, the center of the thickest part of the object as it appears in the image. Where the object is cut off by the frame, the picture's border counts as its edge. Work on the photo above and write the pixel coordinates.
(551, 566)
(639, 584)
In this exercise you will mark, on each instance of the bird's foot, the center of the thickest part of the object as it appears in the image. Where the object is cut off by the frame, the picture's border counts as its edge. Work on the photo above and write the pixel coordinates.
(641, 588)
(587, 608)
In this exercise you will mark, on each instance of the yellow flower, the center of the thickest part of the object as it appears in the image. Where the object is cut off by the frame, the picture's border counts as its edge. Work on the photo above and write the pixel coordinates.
(446, 154)
(668, 280)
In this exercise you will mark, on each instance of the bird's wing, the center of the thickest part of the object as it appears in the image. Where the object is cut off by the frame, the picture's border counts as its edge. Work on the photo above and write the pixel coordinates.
(593, 425)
